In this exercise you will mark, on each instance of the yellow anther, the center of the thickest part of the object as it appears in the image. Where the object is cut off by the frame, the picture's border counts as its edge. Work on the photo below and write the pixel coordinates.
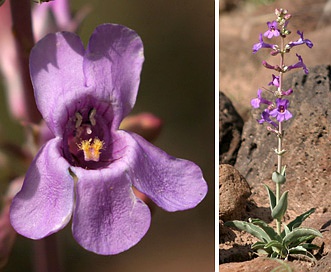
(91, 149)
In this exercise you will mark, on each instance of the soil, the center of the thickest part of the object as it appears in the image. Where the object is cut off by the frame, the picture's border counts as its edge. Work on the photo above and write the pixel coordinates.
(241, 74)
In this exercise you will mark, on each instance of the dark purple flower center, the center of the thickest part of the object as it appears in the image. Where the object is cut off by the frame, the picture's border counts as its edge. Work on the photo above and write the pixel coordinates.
(87, 141)
(281, 108)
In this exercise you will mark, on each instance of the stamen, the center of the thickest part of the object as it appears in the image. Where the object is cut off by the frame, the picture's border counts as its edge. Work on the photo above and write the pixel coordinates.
(79, 119)
(92, 117)
(91, 149)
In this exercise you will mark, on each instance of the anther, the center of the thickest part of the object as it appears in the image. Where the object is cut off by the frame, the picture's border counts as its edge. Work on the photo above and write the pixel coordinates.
(92, 117)
(79, 119)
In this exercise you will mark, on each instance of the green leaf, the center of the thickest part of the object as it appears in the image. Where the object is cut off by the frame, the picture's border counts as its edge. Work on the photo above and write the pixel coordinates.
(302, 240)
(278, 247)
(299, 219)
(263, 253)
(285, 231)
(269, 230)
(278, 178)
(272, 197)
(275, 244)
(299, 250)
(258, 245)
(310, 246)
(280, 209)
(2, 2)
(250, 228)
(300, 235)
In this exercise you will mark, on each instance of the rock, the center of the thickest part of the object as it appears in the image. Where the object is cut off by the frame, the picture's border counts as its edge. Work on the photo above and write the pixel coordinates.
(265, 265)
(228, 5)
(230, 128)
(307, 141)
(234, 191)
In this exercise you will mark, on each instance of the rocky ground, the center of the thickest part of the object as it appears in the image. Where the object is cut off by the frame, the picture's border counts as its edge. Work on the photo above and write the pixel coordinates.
(307, 135)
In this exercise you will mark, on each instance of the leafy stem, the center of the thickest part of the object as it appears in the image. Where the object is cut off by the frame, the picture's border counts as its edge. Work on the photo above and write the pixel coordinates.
(279, 169)
(280, 137)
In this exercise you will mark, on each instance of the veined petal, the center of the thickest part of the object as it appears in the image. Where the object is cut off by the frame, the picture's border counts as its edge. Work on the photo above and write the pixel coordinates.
(56, 68)
(173, 184)
(112, 64)
(45, 203)
(108, 217)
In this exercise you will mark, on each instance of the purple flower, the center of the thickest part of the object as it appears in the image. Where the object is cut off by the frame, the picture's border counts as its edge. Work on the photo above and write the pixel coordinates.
(262, 44)
(87, 171)
(265, 117)
(300, 41)
(275, 81)
(269, 66)
(255, 102)
(272, 31)
(299, 64)
(280, 112)
(288, 92)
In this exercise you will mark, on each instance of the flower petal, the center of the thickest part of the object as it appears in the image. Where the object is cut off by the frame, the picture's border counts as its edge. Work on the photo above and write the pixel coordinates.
(173, 184)
(56, 68)
(108, 217)
(45, 203)
(113, 64)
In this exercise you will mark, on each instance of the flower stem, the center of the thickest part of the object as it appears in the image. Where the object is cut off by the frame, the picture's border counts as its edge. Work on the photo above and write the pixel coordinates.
(46, 256)
(23, 35)
(280, 136)
(279, 169)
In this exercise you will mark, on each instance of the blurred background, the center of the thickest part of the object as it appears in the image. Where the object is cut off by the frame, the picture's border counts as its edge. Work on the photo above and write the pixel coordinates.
(177, 85)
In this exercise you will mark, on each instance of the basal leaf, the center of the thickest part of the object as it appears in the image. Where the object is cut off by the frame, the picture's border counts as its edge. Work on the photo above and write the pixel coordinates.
(258, 245)
(300, 235)
(300, 251)
(250, 228)
(275, 246)
(269, 230)
(299, 219)
(285, 231)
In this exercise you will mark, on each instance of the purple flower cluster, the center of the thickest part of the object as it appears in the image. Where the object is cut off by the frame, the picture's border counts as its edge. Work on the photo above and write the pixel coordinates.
(278, 29)
(276, 110)
(88, 169)
(274, 31)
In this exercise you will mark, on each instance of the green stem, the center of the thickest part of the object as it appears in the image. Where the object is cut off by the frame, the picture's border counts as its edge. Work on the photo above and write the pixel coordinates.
(280, 134)
(279, 169)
